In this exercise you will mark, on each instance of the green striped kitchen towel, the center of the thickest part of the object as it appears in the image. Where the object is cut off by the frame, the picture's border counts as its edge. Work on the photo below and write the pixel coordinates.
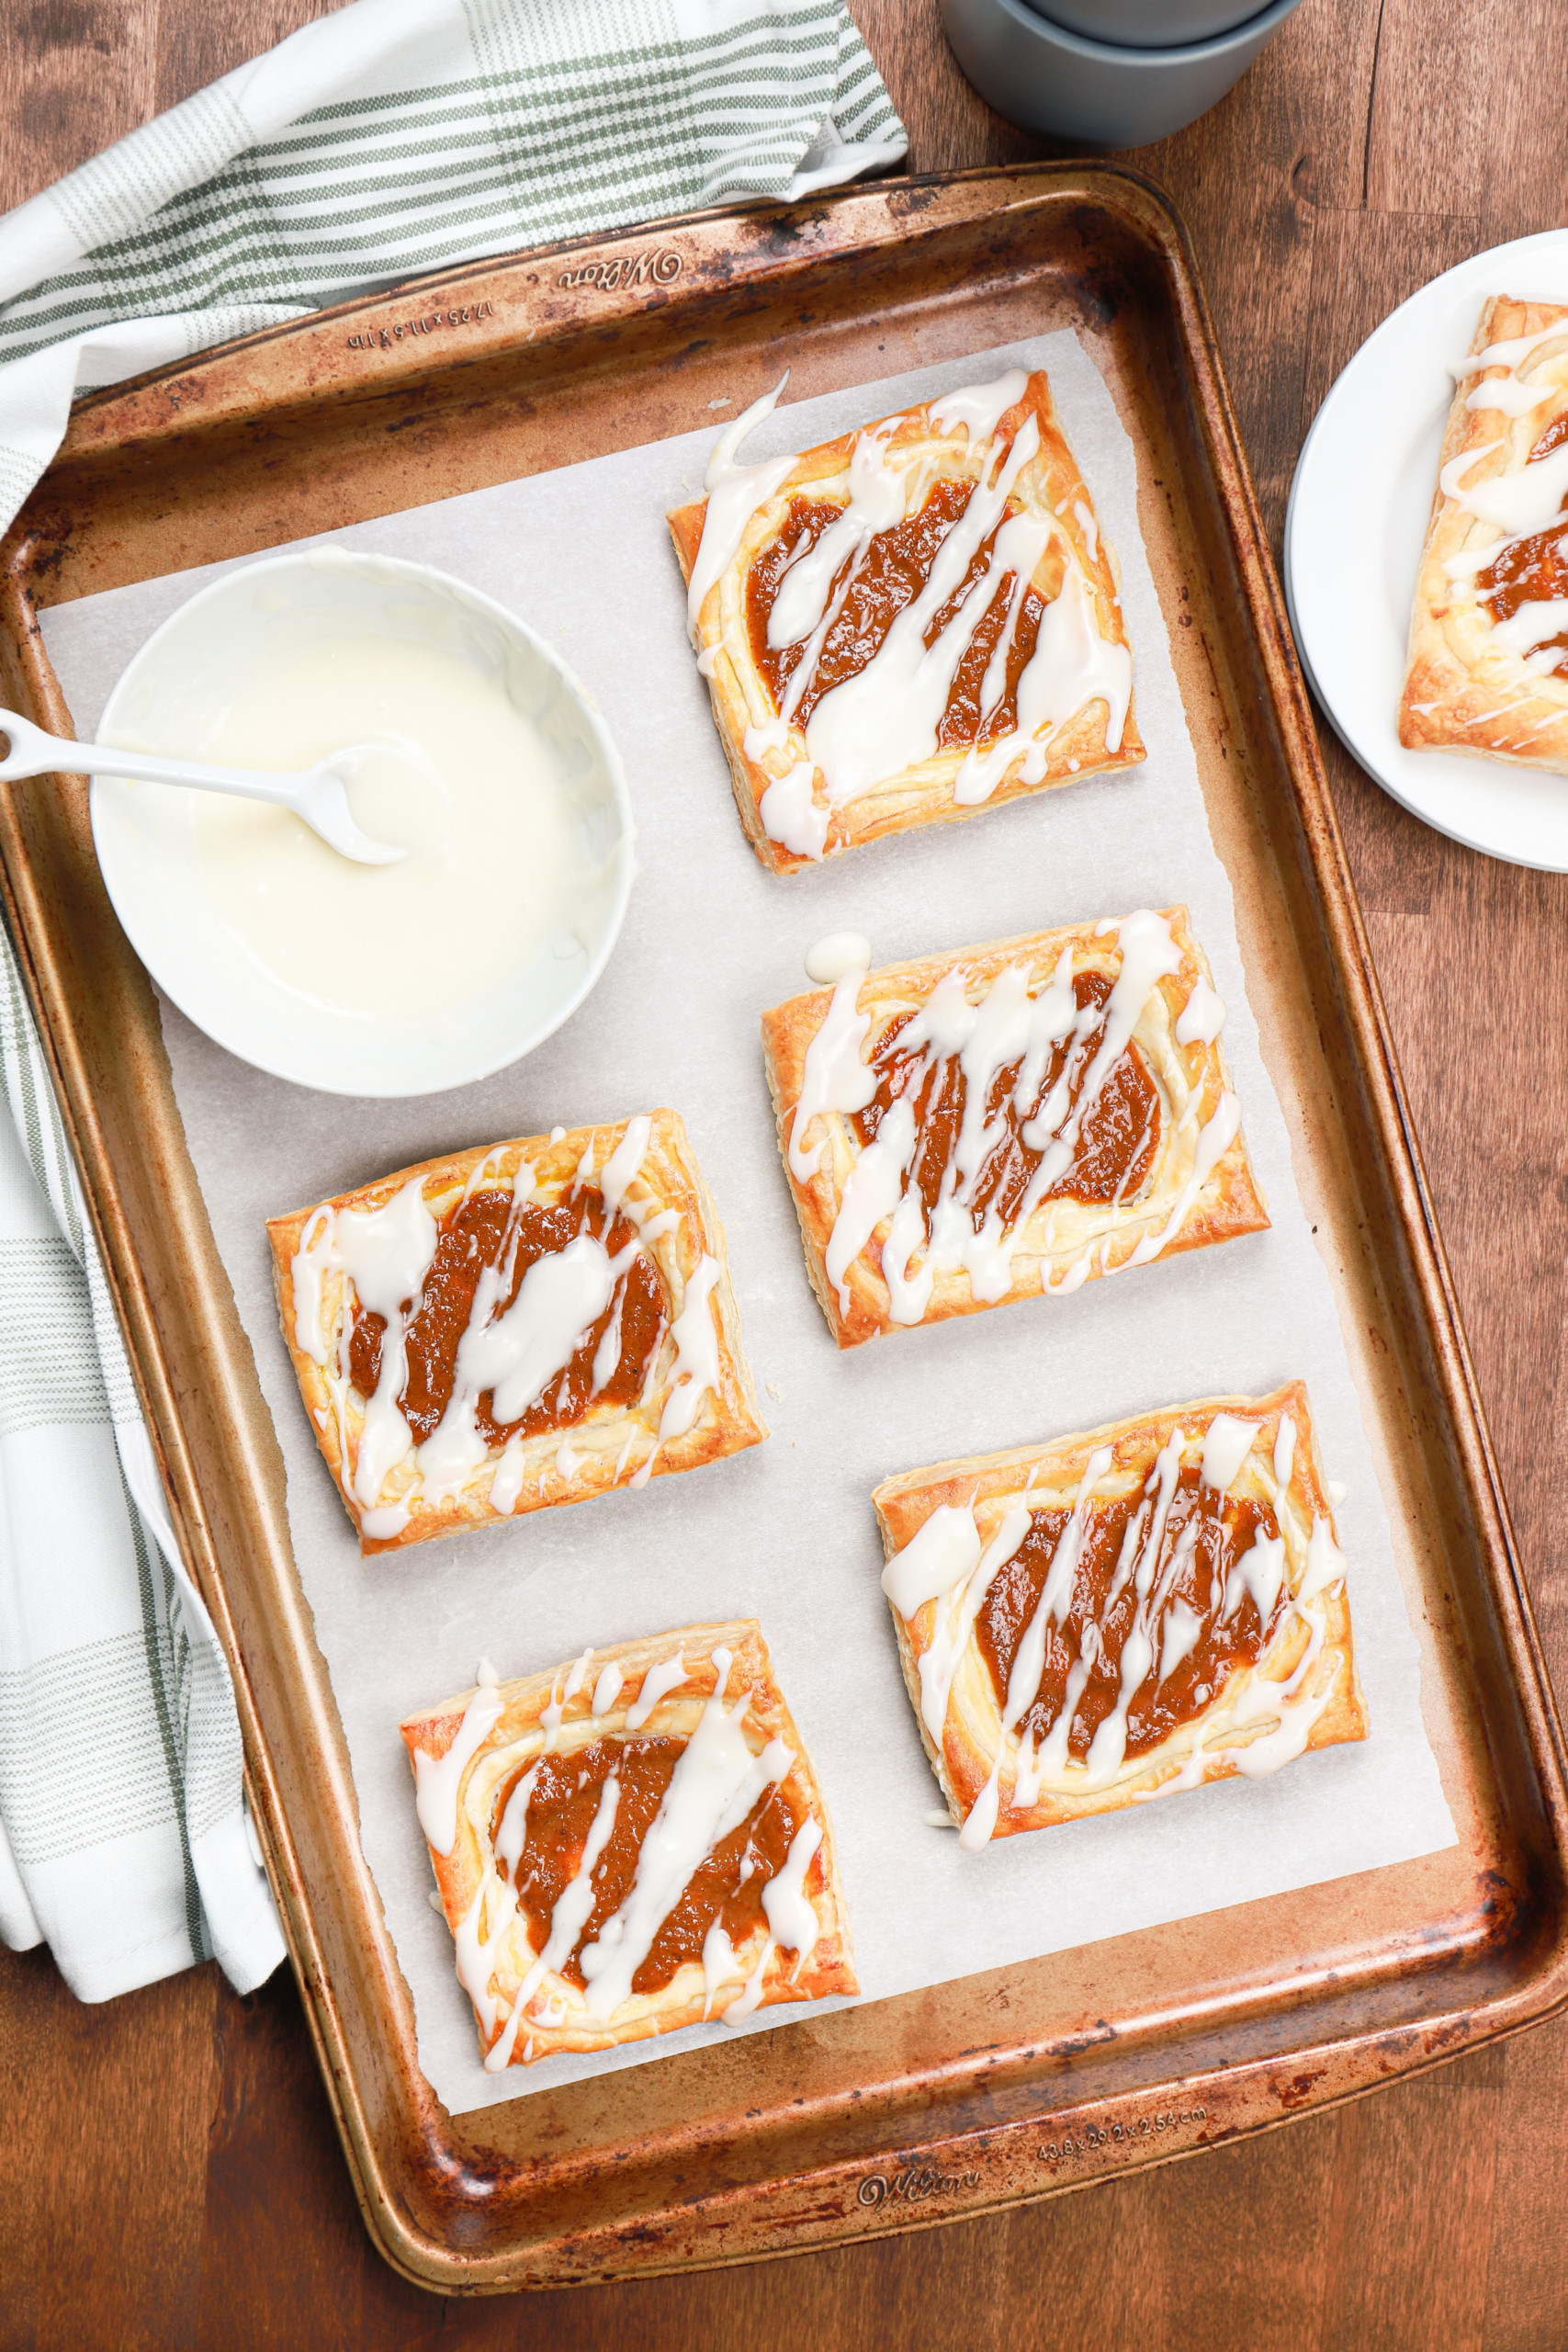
(379, 144)
(398, 135)
(123, 1836)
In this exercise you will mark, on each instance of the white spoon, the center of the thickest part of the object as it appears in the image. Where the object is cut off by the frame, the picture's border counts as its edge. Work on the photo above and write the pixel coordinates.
(319, 794)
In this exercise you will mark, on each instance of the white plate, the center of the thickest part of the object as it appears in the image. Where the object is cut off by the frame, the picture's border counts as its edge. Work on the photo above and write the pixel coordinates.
(147, 842)
(1358, 515)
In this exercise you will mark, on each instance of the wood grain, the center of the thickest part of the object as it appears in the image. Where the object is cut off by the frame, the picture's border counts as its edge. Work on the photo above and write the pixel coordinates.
(168, 2170)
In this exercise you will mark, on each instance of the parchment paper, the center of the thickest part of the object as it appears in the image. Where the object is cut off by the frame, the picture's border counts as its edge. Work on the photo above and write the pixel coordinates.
(785, 1532)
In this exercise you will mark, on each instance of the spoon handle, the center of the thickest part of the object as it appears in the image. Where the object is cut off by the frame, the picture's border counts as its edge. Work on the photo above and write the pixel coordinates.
(34, 752)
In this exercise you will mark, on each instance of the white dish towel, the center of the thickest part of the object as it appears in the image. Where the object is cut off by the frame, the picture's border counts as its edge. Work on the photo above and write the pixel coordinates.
(379, 144)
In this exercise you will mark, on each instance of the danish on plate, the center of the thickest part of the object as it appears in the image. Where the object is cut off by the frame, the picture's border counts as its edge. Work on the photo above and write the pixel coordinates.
(629, 1845)
(1123, 1615)
(906, 623)
(1488, 662)
(507, 1329)
(1014, 1119)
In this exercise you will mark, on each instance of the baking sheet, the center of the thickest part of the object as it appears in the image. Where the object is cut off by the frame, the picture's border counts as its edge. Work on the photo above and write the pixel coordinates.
(785, 1532)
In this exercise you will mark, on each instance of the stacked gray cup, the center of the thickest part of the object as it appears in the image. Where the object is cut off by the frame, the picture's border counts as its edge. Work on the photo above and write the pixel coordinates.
(1108, 72)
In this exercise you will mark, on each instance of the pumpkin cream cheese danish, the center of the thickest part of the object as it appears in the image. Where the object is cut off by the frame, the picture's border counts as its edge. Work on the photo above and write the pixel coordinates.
(1123, 1615)
(630, 1844)
(1488, 662)
(1013, 1119)
(906, 623)
(509, 1328)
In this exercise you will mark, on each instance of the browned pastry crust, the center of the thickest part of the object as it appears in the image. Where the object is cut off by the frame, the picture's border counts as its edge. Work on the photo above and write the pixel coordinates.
(1057, 1236)
(995, 1482)
(557, 2018)
(613, 1442)
(1050, 484)
(1466, 688)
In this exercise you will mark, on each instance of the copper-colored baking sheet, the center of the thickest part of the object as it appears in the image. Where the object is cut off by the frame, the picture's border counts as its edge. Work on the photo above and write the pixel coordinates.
(997, 2088)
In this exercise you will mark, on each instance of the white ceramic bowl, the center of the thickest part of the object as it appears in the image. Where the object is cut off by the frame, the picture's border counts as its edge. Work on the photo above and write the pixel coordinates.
(147, 840)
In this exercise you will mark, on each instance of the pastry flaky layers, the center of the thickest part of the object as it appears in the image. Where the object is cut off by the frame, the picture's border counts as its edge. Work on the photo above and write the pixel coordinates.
(975, 1127)
(1488, 666)
(512, 1328)
(630, 1844)
(906, 623)
(1122, 1614)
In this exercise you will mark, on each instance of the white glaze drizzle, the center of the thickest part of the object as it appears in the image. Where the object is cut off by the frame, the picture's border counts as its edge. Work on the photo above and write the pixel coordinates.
(716, 1782)
(840, 951)
(940, 1554)
(1007, 1025)
(695, 1372)
(735, 492)
(835, 1075)
(792, 1922)
(1260, 1571)
(884, 718)
(790, 817)
(919, 1572)
(512, 1830)
(1509, 393)
(1072, 665)
(790, 1912)
(718, 1962)
(558, 1701)
(476, 1952)
(950, 1635)
(573, 1905)
(1202, 1017)
(1511, 353)
(1228, 1441)
(1178, 1637)
(1028, 1663)
(436, 1777)
(1529, 626)
(750, 1997)
(1514, 504)
(1324, 1563)
(385, 1254)
(979, 408)
(507, 1483)
(656, 1684)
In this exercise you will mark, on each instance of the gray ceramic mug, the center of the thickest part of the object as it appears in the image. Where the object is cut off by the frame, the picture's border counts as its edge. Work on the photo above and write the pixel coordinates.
(1096, 94)
(1147, 24)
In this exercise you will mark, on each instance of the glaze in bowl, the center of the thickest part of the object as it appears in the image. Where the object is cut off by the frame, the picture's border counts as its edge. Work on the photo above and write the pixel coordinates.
(149, 838)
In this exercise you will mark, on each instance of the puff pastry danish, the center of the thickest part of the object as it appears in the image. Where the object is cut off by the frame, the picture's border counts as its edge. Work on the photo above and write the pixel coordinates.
(1488, 664)
(907, 624)
(513, 1327)
(1013, 1119)
(1122, 1614)
(629, 1845)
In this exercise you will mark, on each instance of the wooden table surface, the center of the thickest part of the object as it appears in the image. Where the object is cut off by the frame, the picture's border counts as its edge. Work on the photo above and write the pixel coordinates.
(169, 2174)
